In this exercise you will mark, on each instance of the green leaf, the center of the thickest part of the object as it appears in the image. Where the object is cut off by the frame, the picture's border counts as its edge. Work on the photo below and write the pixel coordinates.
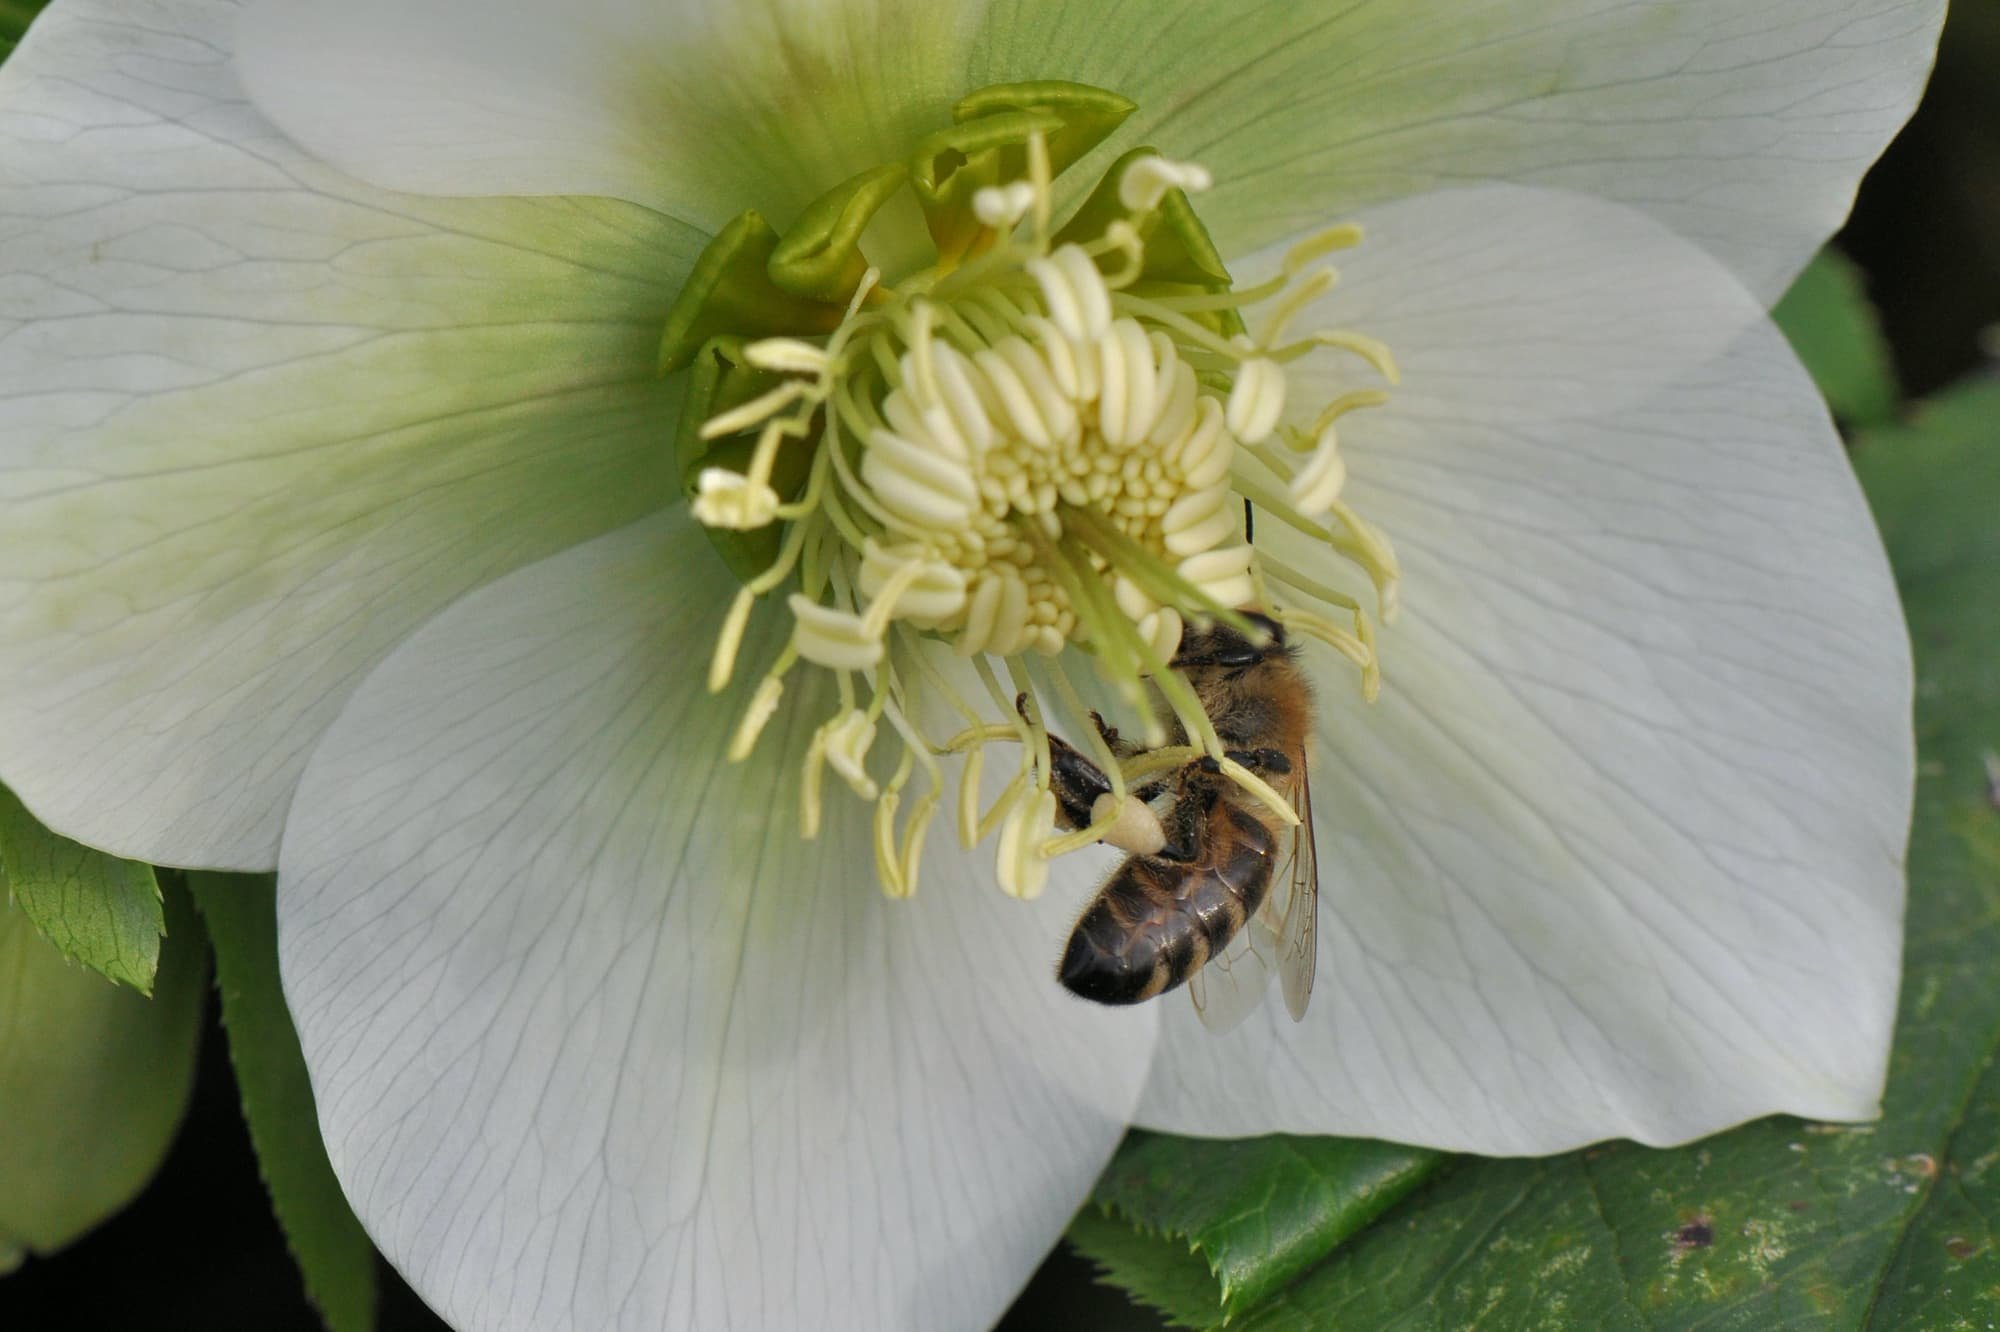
(1834, 329)
(94, 1080)
(15, 16)
(96, 909)
(1203, 1230)
(1783, 1223)
(1153, 1270)
(333, 1252)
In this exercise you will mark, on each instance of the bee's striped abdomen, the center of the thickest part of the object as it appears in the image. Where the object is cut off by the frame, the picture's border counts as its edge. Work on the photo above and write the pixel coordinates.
(1157, 922)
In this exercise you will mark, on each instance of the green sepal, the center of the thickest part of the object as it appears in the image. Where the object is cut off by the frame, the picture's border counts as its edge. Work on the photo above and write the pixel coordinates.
(948, 167)
(820, 256)
(731, 291)
(722, 379)
(1088, 115)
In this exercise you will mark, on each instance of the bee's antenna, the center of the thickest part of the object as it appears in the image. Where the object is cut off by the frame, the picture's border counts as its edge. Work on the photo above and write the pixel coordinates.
(1249, 524)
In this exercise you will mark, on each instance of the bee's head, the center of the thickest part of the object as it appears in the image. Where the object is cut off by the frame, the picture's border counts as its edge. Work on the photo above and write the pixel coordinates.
(1218, 645)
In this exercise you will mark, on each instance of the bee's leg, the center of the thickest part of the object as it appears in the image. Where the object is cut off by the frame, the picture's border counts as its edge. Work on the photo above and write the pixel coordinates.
(1075, 780)
(1257, 760)
(1183, 825)
(1261, 760)
(1122, 748)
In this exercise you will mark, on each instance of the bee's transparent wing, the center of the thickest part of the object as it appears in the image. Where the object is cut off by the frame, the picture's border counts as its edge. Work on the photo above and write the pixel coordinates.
(1295, 936)
(1231, 987)
(1282, 939)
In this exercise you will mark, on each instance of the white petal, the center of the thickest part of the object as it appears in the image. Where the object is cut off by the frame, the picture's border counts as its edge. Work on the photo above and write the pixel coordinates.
(1554, 306)
(257, 422)
(1618, 853)
(700, 108)
(599, 1043)
(1744, 126)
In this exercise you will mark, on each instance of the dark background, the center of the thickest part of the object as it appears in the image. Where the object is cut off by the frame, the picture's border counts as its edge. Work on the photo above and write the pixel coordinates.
(199, 1250)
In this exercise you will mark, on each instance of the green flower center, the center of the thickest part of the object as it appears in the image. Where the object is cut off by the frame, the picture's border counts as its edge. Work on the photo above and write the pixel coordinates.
(1048, 439)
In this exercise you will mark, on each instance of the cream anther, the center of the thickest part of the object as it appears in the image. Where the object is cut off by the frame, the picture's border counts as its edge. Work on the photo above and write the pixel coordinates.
(832, 638)
(1161, 632)
(786, 356)
(848, 739)
(1199, 521)
(731, 500)
(1147, 180)
(1256, 400)
(918, 483)
(1224, 575)
(1132, 599)
(933, 595)
(1019, 865)
(1127, 403)
(1204, 456)
(1317, 486)
(763, 704)
(1003, 206)
(1074, 292)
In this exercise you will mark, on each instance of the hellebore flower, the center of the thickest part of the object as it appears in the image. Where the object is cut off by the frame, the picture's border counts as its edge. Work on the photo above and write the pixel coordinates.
(344, 533)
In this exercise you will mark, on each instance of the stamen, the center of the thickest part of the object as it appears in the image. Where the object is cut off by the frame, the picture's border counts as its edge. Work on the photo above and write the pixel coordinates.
(1341, 406)
(1040, 177)
(1146, 182)
(1075, 295)
(1257, 400)
(1317, 246)
(756, 411)
(968, 797)
(1003, 206)
(1100, 751)
(836, 639)
(849, 737)
(722, 664)
(889, 865)
(763, 706)
(1371, 350)
(1010, 796)
(1022, 870)
(1317, 485)
(734, 501)
(1317, 284)
(1032, 707)
(787, 356)
(1042, 441)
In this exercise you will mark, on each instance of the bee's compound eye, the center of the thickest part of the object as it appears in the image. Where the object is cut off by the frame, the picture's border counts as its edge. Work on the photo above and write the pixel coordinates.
(1234, 651)
(1230, 648)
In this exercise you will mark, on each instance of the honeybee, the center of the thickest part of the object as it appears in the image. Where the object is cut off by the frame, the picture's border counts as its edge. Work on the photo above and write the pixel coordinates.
(1230, 894)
